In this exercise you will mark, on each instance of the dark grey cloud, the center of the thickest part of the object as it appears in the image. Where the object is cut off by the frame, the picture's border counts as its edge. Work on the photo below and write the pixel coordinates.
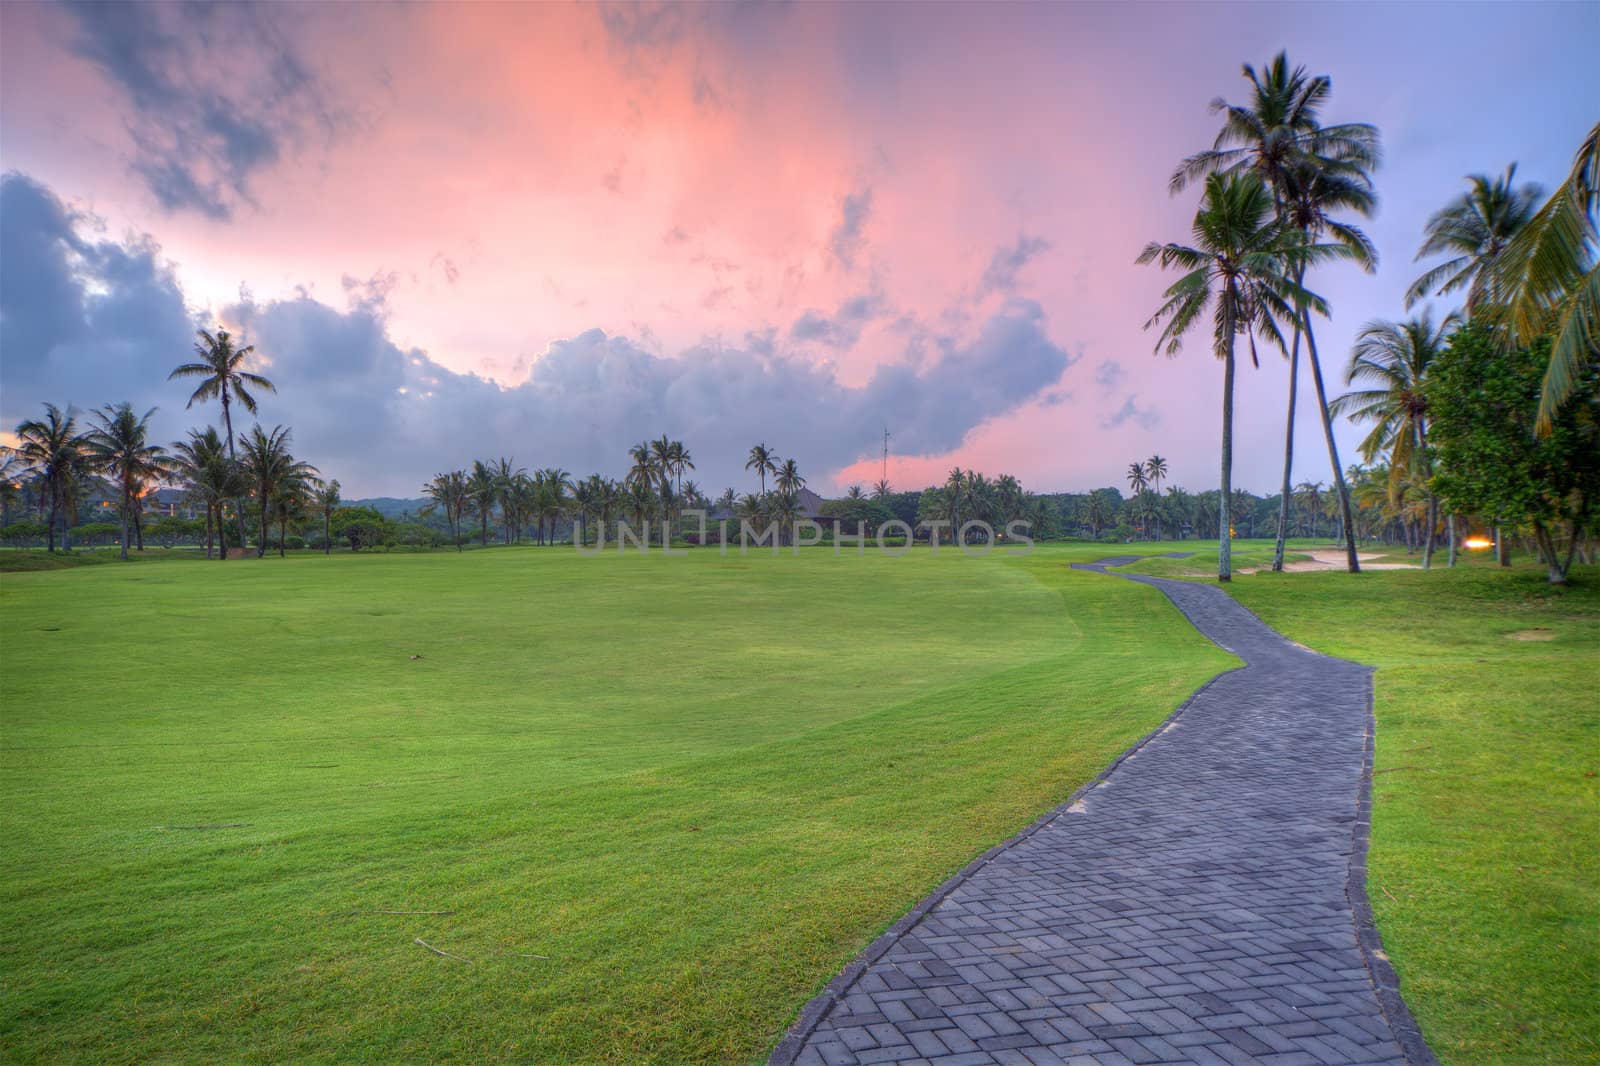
(83, 322)
(847, 240)
(1008, 261)
(216, 93)
(1130, 411)
(99, 321)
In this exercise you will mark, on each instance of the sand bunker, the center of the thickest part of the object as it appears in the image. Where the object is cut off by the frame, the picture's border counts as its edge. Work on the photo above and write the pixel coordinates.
(1332, 559)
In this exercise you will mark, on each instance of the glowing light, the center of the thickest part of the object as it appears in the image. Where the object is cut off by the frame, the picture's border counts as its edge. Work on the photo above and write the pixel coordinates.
(1477, 542)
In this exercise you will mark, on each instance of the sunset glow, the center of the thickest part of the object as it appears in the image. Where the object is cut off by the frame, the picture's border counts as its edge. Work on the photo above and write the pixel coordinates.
(546, 231)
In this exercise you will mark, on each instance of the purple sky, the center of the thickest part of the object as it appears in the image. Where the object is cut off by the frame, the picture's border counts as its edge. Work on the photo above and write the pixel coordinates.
(549, 231)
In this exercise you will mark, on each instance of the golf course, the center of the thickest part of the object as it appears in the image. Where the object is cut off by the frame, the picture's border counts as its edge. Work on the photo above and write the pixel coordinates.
(521, 805)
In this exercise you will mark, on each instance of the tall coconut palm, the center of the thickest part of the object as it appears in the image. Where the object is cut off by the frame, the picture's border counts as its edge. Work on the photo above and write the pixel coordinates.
(325, 498)
(58, 455)
(554, 484)
(1156, 469)
(881, 491)
(1547, 280)
(1392, 359)
(1137, 481)
(1474, 229)
(1236, 268)
(209, 478)
(11, 469)
(450, 492)
(483, 489)
(763, 460)
(221, 369)
(119, 448)
(789, 479)
(1312, 170)
(293, 500)
(274, 474)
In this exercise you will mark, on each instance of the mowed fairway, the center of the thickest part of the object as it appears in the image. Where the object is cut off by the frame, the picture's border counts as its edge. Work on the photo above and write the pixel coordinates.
(697, 785)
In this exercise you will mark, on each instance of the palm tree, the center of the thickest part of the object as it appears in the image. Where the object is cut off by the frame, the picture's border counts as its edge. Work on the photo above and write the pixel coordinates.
(325, 498)
(1179, 504)
(483, 489)
(1136, 479)
(680, 461)
(119, 447)
(274, 474)
(1236, 267)
(552, 501)
(209, 477)
(1156, 467)
(854, 492)
(881, 491)
(220, 368)
(451, 492)
(789, 479)
(11, 468)
(1096, 514)
(1474, 229)
(56, 452)
(1312, 170)
(1547, 280)
(784, 508)
(639, 500)
(1393, 359)
(295, 494)
(763, 461)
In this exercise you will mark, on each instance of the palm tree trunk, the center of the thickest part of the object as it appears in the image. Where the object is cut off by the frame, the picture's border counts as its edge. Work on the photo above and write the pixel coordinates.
(1354, 564)
(1224, 540)
(238, 504)
(1431, 521)
(1502, 550)
(124, 517)
(1288, 453)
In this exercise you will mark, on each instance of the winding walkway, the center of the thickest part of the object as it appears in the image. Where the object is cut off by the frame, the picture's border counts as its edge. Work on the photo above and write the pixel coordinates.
(1202, 901)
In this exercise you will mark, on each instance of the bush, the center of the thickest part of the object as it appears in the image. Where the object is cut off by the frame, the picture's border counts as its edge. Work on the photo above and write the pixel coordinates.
(18, 534)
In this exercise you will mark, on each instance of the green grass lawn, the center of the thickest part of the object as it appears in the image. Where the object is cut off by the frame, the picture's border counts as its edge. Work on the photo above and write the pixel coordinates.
(1485, 860)
(698, 785)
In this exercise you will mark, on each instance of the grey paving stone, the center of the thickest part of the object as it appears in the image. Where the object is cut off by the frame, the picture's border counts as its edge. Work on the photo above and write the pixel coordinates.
(1190, 906)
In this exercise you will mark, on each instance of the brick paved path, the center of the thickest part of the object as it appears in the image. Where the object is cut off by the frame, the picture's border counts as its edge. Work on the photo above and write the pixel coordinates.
(1203, 902)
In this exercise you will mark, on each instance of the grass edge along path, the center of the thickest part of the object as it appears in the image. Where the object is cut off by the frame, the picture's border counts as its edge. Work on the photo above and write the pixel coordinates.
(1484, 865)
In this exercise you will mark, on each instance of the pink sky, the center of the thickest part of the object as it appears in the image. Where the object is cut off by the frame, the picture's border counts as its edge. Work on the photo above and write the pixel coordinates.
(509, 177)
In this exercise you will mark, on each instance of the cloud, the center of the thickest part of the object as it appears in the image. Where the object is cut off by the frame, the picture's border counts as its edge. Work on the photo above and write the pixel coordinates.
(1001, 274)
(846, 240)
(206, 116)
(92, 322)
(87, 322)
(843, 328)
(1108, 375)
(1130, 411)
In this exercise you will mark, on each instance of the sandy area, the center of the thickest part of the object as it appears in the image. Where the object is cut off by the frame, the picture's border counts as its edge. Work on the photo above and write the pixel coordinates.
(1332, 559)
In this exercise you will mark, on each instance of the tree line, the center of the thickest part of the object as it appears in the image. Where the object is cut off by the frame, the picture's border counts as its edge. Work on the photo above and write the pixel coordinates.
(1279, 189)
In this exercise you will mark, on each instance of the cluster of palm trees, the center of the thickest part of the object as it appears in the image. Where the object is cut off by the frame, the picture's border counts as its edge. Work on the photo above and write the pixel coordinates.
(526, 503)
(1144, 478)
(968, 496)
(1526, 266)
(63, 460)
(1276, 181)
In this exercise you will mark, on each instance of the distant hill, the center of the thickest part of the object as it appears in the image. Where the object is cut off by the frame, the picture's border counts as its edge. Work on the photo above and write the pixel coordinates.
(390, 506)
